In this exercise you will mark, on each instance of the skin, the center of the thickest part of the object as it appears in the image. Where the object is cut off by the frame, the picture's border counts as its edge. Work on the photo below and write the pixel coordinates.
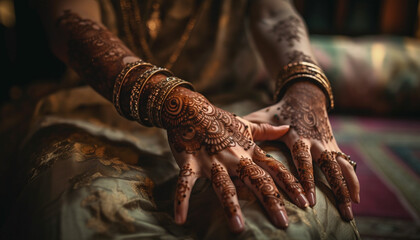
(208, 142)
(281, 38)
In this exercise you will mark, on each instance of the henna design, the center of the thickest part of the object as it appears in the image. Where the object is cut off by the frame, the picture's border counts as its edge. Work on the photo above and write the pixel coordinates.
(334, 176)
(283, 174)
(222, 182)
(182, 185)
(288, 30)
(301, 154)
(262, 181)
(94, 52)
(192, 121)
(307, 113)
(299, 56)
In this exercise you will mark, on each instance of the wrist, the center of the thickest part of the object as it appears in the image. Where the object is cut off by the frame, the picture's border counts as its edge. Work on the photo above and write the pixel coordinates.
(305, 72)
(314, 90)
(142, 88)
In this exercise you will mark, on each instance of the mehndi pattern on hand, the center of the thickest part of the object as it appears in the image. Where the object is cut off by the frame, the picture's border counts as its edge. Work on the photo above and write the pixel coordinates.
(192, 122)
(307, 114)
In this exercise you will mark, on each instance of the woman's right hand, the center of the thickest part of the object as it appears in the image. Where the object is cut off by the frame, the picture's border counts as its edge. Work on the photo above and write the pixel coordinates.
(209, 142)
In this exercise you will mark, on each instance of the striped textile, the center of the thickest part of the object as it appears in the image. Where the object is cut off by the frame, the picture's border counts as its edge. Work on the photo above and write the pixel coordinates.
(388, 157)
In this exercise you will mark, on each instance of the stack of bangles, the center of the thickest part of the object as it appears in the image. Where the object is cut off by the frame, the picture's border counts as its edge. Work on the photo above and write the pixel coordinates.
(145, 109)
(298, 71)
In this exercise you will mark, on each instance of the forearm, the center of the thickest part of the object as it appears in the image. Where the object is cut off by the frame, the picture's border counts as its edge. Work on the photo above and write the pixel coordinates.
(78, 38)
(279, 33)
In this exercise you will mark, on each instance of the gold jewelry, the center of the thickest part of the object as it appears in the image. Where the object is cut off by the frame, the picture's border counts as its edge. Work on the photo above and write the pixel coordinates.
(303, 70)
(138, 89)
(119, 82)
(158, 97)
(347, 158)
(152, 99)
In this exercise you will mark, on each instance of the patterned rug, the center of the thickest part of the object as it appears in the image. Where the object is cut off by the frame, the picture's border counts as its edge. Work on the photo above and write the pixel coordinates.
(388, 157)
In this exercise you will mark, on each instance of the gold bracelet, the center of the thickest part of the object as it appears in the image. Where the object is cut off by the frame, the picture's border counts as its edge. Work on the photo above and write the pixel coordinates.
(169, 89)
(146, 118)
(299, 71)
(303, 70)
(151, 100)
(157, 98)
(137, 90)
(119, 82)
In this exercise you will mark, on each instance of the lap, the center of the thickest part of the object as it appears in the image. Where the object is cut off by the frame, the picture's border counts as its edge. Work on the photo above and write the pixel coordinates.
(84, 183)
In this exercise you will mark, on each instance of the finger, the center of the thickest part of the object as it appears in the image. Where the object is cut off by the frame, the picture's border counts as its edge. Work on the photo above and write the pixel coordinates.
(225, 190)
(336, 180)
(267, 132)
(260, 182)
(260, 116)
(351, 178)
(303, 162)
(186, 179)
(283, 177)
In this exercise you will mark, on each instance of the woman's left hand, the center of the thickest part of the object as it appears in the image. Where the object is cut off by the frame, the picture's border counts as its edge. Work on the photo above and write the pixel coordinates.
(310, 139)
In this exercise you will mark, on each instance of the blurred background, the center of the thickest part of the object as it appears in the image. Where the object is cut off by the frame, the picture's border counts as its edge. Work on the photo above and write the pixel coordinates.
(387, 31)
(370, 50)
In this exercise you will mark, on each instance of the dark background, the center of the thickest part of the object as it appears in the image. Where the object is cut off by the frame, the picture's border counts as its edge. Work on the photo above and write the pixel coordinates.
(25, 56)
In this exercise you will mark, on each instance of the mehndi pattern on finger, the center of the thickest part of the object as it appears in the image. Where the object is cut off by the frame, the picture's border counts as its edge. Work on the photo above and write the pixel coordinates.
(182, 184)
(282, 173)
(307, 114)
(262, 181)
(334, 176)
(221, 180)
(300, 153)
(193, 122)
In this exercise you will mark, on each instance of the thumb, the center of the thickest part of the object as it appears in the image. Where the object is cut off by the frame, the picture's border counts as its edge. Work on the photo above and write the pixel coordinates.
(267, 132)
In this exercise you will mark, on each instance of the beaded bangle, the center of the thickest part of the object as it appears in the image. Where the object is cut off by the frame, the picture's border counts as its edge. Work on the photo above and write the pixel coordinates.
(138, 89)
(298, 71)
(119, 82)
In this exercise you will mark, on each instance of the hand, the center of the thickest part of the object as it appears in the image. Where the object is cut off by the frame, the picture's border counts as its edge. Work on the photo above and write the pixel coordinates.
(310, 139)
(209, 142)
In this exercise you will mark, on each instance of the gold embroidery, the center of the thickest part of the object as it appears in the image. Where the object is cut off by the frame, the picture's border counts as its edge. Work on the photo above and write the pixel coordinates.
(108, 212)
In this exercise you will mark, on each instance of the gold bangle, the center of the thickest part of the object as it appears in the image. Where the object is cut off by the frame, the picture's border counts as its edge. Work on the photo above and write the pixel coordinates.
(169, 90)
(137, 90)
(119, 82)
(315, 79)
(300, 71)
(151, 100)
(157, 98)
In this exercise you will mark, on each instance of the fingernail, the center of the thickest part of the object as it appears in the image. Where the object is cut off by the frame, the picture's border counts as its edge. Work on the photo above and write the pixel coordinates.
(346, 212)
(280, 219)
(303, 202)
(311, 198)
(236, 224)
